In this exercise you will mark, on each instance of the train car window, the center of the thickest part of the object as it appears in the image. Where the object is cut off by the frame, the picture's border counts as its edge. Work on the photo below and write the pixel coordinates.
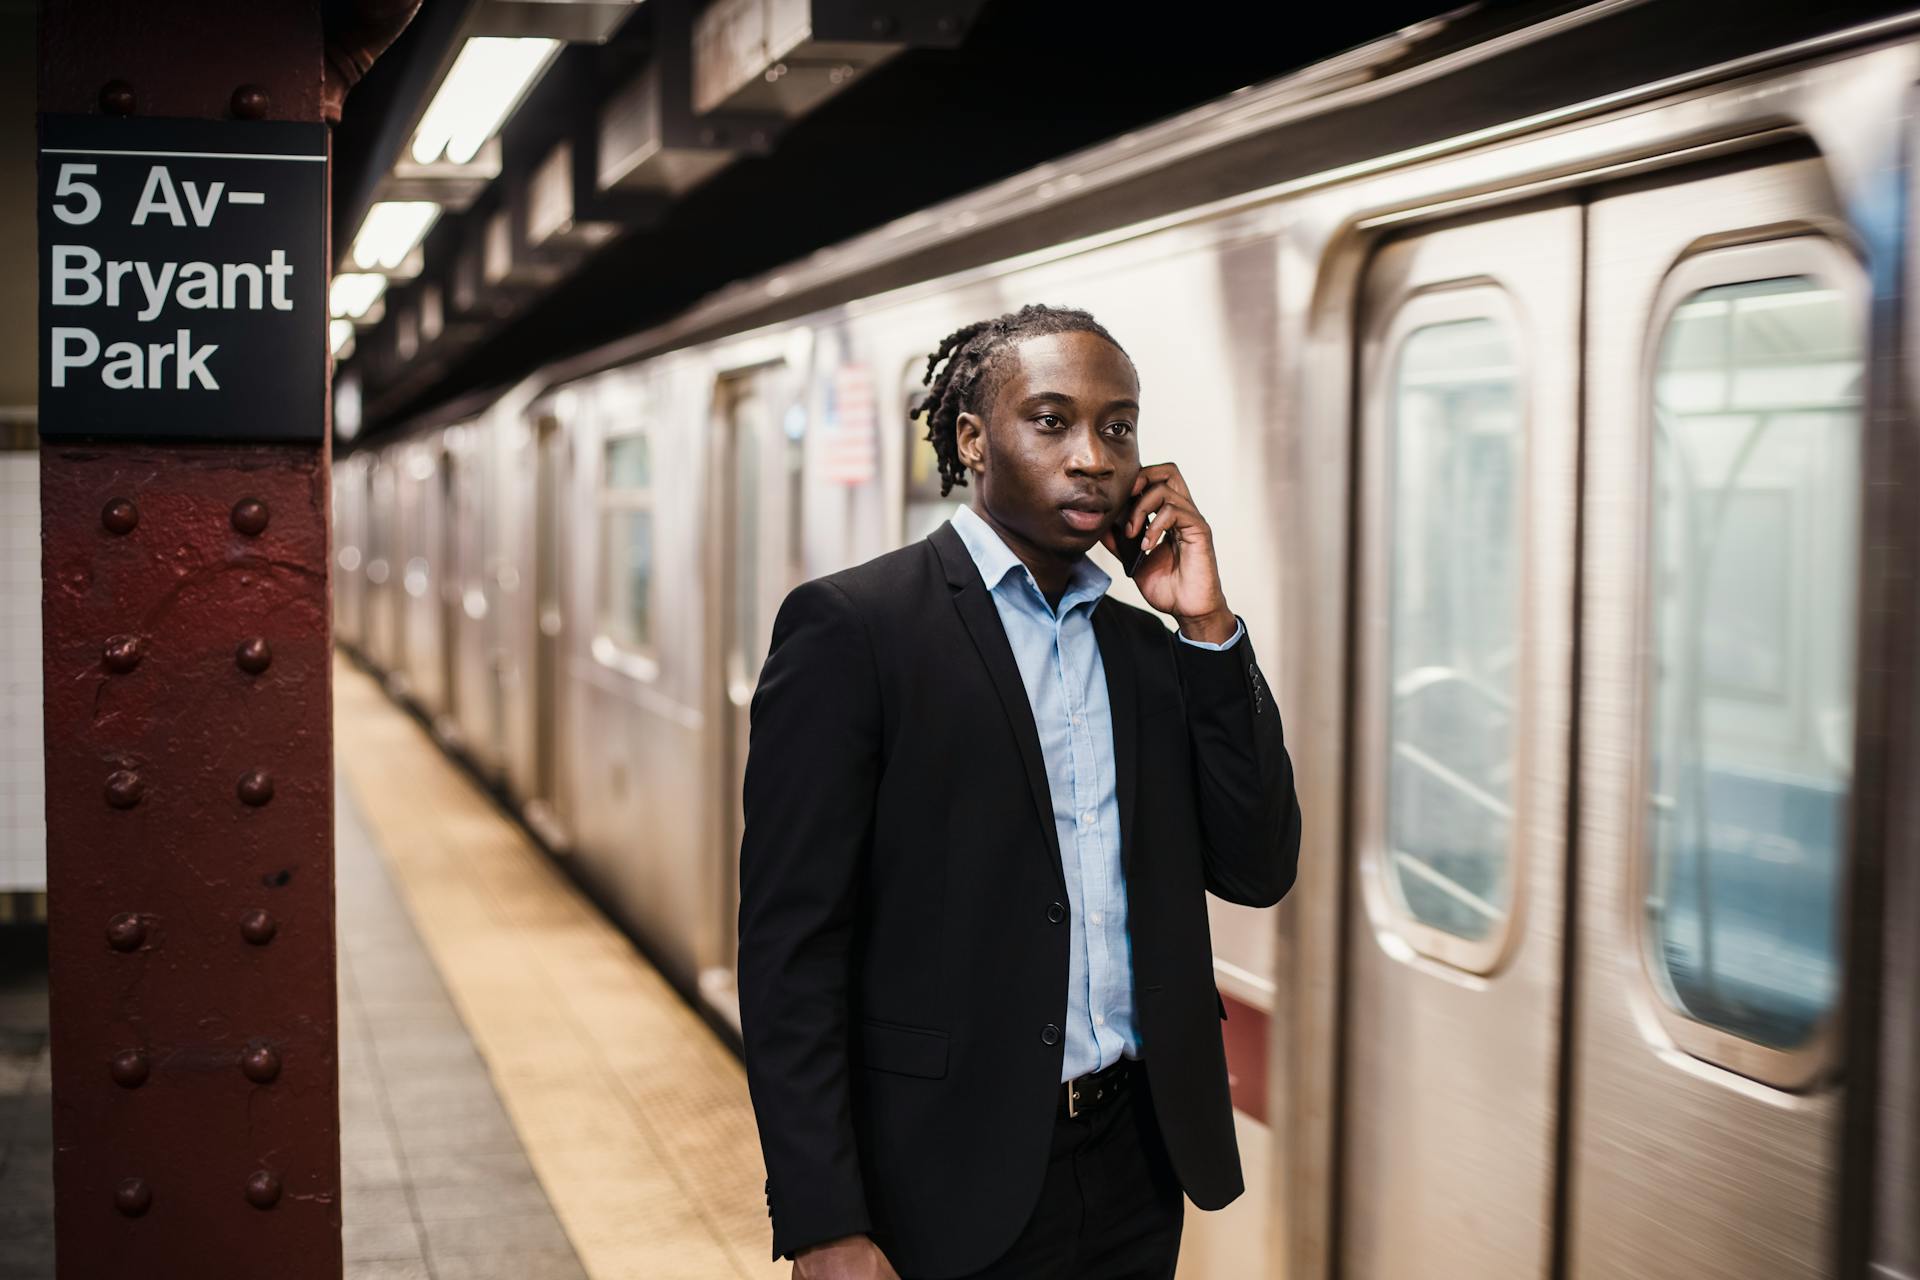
(749, 434)
(1754, 548)
(793, 431)
(925, 508)
(1455, 458)
(380, 499)
(626, 532)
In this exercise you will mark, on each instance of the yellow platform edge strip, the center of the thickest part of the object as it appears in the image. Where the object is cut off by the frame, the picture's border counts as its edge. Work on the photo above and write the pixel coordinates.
(635, 1118)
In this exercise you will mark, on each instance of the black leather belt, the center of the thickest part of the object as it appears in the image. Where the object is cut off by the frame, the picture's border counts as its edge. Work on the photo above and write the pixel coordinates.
(1096, 1088)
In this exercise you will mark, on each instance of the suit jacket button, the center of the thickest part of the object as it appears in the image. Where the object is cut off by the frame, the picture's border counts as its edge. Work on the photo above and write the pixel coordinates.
(1056, 913)
(1050, 1034)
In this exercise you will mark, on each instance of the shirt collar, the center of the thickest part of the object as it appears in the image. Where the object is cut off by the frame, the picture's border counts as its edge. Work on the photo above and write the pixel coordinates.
(995, 560)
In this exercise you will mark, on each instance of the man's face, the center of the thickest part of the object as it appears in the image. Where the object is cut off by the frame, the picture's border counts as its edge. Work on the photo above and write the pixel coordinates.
(1056, 456)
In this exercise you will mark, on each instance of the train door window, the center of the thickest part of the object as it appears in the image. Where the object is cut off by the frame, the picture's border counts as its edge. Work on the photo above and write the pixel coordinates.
(380, 500)
(793, 432)
(748, 423)
(352, 492)
(1753, 568)
(1455, 462)
(626, 532)
(925, 507)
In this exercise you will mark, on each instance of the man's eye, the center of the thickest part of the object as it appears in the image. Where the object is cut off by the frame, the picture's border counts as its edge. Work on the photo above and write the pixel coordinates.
(1120, 428)
(1050, 420)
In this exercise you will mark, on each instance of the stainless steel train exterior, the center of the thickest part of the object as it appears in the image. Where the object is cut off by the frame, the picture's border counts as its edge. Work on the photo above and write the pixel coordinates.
(1564, 465)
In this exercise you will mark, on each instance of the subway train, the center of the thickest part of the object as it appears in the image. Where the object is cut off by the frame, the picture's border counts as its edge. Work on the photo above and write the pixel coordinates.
(1543, 381)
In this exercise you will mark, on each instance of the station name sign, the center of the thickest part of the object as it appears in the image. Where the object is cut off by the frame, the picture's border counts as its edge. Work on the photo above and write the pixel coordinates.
(182, 279)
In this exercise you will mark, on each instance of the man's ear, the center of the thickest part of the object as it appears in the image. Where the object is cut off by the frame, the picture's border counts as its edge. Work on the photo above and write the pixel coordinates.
(970, 441)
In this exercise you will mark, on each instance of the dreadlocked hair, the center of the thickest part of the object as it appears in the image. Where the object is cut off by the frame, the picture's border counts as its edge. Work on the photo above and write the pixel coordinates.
(975, 358)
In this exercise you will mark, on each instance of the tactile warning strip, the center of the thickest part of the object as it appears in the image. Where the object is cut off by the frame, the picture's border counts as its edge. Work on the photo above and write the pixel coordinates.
(635, 1117)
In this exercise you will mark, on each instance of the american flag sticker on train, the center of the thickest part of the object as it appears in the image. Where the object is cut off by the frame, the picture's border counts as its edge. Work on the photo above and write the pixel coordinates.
(849, 448)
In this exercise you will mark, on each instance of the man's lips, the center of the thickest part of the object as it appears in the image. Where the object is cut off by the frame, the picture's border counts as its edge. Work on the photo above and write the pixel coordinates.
(1086, 515)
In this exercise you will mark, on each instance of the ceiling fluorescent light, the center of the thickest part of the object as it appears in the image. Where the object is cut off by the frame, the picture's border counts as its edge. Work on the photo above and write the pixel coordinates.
(392, 229)
(340, 338)
(353, 292)
(484, 85)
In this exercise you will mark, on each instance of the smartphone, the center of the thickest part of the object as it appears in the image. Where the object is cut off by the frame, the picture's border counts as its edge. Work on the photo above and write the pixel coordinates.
(1130, 551)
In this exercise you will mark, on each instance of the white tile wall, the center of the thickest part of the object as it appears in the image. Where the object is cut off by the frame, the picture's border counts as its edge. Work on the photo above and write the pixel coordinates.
(23, 828)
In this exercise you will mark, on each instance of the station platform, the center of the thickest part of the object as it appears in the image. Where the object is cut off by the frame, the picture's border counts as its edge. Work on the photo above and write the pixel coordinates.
(522, 1095)
(26, 1119)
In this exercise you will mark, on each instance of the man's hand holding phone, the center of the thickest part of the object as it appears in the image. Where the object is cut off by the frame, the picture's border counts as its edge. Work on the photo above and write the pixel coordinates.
(1175, 569)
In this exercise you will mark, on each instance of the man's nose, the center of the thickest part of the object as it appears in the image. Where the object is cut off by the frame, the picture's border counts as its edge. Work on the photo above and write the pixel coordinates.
(1091, 454)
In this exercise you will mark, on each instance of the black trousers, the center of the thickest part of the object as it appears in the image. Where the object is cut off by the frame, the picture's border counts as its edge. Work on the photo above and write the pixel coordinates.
(1110, 1208)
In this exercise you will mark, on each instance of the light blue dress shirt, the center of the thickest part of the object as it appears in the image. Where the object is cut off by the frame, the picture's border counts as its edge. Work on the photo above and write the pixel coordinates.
(1066, 682)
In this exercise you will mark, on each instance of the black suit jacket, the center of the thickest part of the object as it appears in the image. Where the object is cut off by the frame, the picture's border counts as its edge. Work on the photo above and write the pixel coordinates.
(903, 961)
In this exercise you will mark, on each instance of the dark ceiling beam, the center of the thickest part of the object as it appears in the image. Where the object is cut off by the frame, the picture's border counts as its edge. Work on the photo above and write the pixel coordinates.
(379, 123)
(1026, 83)
(605, 145)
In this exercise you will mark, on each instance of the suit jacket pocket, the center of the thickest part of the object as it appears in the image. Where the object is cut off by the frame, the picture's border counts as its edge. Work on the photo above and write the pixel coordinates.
(904, 1050)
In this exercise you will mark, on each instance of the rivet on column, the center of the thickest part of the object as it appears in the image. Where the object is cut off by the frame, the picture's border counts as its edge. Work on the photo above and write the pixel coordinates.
(249, 102)
(124, 788)
(133, 1196)
(122, 653)
(120, 516)
(125, 932)
(129, 1068)
(116, 98)
(253, 656)
(250, 516)
(256, 787)
(260, 1062)
(258, 927)
(263, 1189)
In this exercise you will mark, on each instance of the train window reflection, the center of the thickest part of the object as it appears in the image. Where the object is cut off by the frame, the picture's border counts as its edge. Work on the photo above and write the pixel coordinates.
(749, 431)
(926, 509)
(629, 463)
(626, 542)
(1456, 448)
(1755, 472)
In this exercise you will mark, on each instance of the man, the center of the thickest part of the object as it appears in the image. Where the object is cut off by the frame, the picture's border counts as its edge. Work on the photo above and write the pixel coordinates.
(983, 807)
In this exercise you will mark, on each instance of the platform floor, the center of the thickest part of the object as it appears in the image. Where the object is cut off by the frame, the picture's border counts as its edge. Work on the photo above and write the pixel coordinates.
(518, 1034)
(26, 1119)
(522, 1095)
(435, 1181)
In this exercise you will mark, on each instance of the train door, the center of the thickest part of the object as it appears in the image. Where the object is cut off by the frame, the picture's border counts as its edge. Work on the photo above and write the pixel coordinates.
(925, 508)
(383, 606)
(757, 500)
(549, 604)
(1469, 427)
(448, 505)
(415, 667)
(1717, 725)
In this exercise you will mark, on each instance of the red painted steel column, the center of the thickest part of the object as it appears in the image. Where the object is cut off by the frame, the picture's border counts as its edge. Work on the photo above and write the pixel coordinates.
(189, 761)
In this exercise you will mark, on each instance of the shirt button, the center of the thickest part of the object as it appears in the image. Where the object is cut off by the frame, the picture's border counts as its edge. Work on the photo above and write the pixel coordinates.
(1086, 819)
(1095, 917)
(1056, 913)
(1050, 1034)
(1099, 1020)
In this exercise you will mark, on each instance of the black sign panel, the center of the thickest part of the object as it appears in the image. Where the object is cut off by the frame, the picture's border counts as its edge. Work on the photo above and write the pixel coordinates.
(183, 284)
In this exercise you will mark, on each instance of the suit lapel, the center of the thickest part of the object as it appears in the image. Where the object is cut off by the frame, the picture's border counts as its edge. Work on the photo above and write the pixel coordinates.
(1116, 656)
(982, 619)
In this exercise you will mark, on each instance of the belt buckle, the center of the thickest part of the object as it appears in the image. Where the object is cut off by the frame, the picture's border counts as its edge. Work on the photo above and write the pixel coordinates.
(1074, 1099)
